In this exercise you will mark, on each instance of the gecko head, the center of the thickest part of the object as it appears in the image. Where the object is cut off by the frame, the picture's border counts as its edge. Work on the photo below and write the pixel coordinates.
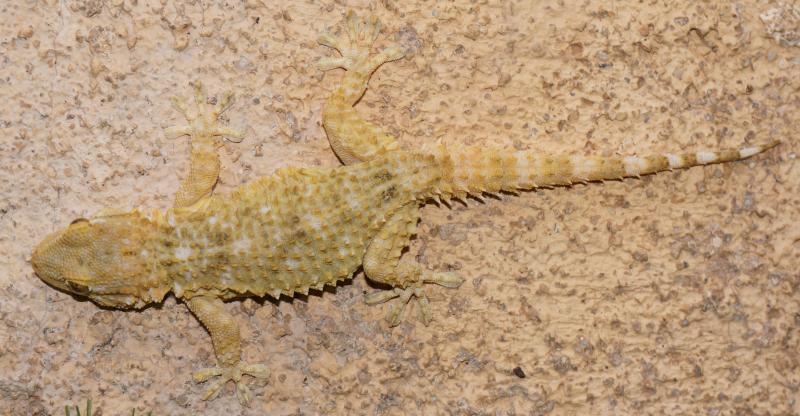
(104, 259)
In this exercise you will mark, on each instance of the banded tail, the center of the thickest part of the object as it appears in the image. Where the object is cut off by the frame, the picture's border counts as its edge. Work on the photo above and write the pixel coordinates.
(473, 170)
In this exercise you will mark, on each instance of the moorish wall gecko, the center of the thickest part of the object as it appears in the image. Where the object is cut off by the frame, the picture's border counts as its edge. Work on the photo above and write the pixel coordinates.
(303, 228)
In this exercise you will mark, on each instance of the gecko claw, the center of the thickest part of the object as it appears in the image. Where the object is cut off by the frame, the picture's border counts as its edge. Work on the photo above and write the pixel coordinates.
(233, 373)
(355, 46)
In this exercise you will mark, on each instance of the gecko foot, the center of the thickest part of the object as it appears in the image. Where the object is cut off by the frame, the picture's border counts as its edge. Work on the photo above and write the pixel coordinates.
(395, 314)
(233, 373)
(203, 119)
(355, 47)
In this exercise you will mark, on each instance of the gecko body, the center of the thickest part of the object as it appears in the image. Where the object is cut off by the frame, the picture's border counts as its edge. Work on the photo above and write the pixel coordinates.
(304, 228)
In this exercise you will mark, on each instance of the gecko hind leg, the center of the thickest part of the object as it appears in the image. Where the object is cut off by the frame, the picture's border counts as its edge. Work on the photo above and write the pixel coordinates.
(203, 127)
(382, 264)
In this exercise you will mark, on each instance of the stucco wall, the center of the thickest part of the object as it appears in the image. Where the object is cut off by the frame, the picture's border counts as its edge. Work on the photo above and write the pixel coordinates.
(675, 293)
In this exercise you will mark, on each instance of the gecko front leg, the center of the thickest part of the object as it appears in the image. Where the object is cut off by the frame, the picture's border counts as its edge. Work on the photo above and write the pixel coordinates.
(203, 127)
(227, 347)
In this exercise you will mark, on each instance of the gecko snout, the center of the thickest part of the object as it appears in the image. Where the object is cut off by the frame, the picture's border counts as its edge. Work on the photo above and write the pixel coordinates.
(45, 261)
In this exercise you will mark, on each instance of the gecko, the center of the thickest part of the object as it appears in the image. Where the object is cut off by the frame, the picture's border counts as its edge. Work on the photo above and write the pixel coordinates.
(302, 228)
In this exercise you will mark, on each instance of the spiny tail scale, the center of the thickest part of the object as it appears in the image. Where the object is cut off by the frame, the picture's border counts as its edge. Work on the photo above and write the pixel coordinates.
(473, 170)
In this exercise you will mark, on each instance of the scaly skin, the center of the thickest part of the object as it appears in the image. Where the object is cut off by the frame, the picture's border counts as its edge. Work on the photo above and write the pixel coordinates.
(302, 228)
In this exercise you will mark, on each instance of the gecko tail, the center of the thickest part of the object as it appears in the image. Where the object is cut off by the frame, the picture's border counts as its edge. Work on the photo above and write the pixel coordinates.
(474, 170)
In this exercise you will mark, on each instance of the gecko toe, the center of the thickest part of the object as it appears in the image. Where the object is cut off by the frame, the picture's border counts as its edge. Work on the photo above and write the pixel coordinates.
(214, 389)
(382, 296)
(233, 373)
(243, 394)
(447, 279)
(256, 370)
(395, 315)
(326, 64)
(424, 308)
(207, 373)
(404, 296)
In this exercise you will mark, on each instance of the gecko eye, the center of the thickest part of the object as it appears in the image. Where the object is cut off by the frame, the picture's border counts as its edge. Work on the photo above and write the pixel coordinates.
(78, 288)
(78, 220)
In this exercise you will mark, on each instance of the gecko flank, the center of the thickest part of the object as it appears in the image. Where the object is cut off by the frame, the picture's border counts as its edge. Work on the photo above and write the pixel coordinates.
(303, 228)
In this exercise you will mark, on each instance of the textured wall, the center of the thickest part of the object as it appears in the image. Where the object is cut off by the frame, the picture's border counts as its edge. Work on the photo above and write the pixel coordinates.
(674, 293)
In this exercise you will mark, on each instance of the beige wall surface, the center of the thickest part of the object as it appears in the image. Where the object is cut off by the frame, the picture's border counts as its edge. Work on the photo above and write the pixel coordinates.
(673, 293)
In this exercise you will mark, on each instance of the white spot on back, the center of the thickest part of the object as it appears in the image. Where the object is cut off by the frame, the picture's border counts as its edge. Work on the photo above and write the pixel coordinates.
(292, 264)
(749, 151)
(212, 220)
(226, 279)
(314, 221)
(242, 244)
(354, 204)
(706, 157)
(144, 253)
(265, 209)
(171, 219)
(183, 253)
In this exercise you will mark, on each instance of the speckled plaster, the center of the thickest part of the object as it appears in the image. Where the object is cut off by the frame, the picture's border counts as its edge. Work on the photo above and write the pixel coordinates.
(675, 293)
